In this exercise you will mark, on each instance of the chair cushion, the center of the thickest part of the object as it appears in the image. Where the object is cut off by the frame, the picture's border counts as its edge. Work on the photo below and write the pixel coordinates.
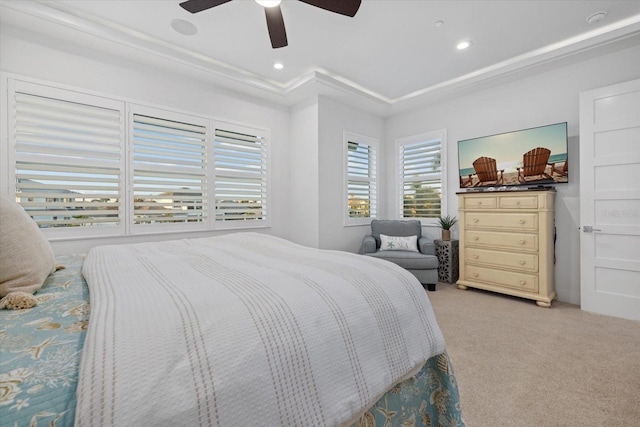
(391, 227)
(408, 260)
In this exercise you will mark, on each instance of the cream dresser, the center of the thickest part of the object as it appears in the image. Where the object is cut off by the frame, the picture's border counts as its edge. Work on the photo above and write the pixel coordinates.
(506, 243)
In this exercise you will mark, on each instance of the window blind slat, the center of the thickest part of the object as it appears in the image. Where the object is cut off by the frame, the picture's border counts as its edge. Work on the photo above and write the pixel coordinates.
(38, 136)
(71, 222)
(65, 168)
(168, 156)
(67, 152)
(168, 124)
(238, 144)
(166, 144)
(196, 136)
(23, 176)
(236, 136)
(75, 109)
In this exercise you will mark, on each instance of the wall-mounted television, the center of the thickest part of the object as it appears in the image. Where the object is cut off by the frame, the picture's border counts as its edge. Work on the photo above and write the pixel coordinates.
(532, 157)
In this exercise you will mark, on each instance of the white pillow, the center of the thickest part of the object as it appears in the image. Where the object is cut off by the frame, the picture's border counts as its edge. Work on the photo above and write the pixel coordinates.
(398, 243)
(26, 257)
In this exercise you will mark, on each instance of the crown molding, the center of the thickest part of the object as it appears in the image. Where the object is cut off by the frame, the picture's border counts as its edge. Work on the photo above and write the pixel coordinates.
(317, 81)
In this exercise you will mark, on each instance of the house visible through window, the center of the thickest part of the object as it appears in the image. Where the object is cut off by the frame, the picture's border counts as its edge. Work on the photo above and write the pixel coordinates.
(420, 177)
(361, 179)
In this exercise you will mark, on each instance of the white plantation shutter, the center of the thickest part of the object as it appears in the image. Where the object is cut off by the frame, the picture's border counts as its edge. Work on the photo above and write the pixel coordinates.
(361, 182)
(68, 157)
(169, 170)
(240, 177)
(420, 161)
(86, 165)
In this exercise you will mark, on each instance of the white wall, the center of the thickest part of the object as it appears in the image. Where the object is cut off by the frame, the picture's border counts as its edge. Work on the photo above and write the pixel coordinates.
(113, 76)
(303, 188)
(548, 97)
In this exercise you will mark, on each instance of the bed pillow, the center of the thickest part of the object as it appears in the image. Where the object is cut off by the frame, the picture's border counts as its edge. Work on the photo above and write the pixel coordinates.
(398, 243)
(26, 257)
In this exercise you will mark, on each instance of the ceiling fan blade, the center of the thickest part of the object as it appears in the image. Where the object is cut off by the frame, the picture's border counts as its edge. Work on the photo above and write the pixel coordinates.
(195, 6)
(275, 24)
(343, 7)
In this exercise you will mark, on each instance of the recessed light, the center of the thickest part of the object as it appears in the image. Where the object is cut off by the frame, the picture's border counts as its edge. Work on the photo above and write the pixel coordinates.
(184, 27)
(464, 44)
(278, 66)
(439, 23)
(268, 3)
(596, 17)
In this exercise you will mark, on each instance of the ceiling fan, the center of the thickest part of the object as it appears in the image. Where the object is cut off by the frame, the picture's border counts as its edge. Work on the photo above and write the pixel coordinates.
(275, 22)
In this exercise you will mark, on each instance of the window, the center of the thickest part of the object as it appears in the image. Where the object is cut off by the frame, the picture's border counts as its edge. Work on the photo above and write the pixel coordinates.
(79, 168)
(420, 177)
(67, 159)
(240, 177)
(361, 179)
(169, 169)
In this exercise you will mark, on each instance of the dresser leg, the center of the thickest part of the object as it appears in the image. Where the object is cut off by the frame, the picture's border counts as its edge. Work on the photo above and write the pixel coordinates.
(463, 287)
(543, 304)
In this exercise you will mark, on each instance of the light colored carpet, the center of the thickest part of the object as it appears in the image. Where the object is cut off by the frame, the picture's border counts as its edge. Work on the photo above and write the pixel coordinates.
(518, 364)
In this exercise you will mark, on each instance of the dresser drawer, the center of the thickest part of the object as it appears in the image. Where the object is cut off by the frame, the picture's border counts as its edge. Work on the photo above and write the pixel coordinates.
(508, 279)
(511, 221)
(523, 202)
(495, 239)
(481, 202)
(519, 261)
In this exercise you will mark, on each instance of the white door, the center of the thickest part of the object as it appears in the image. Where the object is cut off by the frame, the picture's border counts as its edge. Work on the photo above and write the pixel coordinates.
(610, 200)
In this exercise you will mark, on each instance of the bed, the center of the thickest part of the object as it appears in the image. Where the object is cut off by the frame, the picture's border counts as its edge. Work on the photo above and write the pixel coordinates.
(241, 329)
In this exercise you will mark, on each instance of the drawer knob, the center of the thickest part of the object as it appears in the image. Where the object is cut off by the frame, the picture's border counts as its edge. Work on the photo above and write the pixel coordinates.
(475, 220)
(475, 274)
(522, 282)
(522, 241)
(475, 238)
(518, 202)
(522, 221)
(522, 262)
(475, 256)
(479, 203)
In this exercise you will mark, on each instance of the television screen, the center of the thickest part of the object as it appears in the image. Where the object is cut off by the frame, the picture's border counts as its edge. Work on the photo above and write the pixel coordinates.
(536, 156)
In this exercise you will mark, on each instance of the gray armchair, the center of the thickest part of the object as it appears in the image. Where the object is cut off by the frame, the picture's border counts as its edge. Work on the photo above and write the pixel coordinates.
(422, 264)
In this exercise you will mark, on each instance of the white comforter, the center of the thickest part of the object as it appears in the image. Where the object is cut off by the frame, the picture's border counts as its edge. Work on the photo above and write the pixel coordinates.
(245, 330)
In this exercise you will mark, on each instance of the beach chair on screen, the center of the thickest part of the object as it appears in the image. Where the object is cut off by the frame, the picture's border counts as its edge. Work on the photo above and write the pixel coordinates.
(561, 171)
(466, 182)
(487, 171)
(534, 165)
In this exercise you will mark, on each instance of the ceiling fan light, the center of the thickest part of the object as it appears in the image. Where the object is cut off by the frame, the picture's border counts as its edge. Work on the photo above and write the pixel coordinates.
(268, 3)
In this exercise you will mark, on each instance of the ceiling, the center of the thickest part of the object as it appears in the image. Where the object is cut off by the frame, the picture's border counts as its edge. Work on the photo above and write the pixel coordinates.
(391, 53)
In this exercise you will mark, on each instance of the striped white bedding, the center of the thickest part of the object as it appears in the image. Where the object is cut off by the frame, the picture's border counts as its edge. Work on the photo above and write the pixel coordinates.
(246, 329)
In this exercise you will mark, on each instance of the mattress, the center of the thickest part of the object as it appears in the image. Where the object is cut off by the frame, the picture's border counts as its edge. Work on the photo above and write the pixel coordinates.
(40, 353)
